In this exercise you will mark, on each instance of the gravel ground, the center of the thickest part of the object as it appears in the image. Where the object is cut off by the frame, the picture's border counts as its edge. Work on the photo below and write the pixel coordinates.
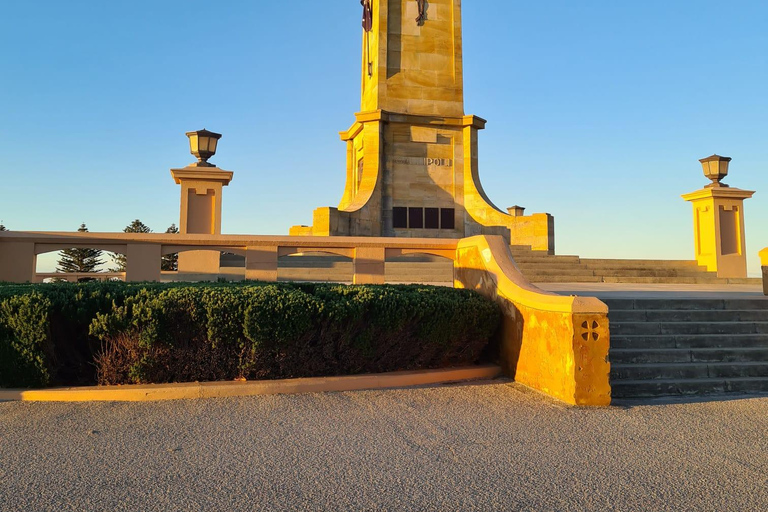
(487, 446)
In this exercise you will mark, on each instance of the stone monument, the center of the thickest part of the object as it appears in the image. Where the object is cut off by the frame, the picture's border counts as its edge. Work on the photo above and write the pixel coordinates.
(412, 153)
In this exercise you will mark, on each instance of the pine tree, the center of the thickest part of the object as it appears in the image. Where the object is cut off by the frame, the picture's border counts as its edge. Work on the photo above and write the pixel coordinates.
(171, 261)
(2, 228)
(119, 259)
(79, 260)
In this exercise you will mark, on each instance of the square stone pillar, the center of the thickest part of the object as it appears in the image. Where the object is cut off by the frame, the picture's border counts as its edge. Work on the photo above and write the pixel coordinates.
(201, 189)
(18, 262)
(142, 263)
(368, 265)
(199, 262)
(261, 263)
(718, 229)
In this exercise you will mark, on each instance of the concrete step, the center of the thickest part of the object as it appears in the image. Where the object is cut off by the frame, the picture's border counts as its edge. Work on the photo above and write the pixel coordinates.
(704, 279)
(669, 387)
(563, 269)
(305, 275)
(745, 280)
(711, 370)
(346, 275)
(687, 304)
(566, 278)
(419, 268)
(537, 254)
(688, 346)
(652, 273)
(536, 272)
(616, 274)
(639, 342)
(546, 260)
(688, 355)
(674, 328)
(330, 267)
(671, 264)
(563, 279)
(401, 266)
(673, 315)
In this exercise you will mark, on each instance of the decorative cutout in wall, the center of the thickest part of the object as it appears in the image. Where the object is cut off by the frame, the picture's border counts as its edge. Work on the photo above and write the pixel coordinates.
(590, 330)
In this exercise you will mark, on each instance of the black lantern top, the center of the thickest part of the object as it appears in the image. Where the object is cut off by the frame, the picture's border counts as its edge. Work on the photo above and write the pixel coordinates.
(202, 144)
(715, 168)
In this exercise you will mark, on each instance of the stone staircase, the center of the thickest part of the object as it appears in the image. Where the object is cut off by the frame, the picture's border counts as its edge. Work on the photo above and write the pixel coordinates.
(323, 267)
(540, 267)
(338, 269)
(662, 347)
(536, 266)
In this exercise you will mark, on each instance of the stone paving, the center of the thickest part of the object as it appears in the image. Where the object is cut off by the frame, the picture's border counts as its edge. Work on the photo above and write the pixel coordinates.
(485, 446)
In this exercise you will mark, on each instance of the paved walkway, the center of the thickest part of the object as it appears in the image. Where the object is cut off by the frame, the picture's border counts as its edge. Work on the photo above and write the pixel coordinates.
(488, 446)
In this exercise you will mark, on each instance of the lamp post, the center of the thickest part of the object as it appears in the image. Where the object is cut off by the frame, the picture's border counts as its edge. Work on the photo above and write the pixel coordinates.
(202, 144)
(715, 168)
(200, 206)
(718, 221)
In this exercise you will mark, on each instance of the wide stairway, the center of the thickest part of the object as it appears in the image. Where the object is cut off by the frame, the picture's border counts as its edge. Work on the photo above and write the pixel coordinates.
(540, 267)
(662, 347)
(322, 267)
(536, 266)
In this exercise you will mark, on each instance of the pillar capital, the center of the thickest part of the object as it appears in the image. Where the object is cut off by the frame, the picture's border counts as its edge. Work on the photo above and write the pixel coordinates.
(719, 193)
(192, 173)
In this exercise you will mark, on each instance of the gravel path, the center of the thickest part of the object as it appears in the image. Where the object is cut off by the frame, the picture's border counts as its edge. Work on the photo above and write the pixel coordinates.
(488, 446)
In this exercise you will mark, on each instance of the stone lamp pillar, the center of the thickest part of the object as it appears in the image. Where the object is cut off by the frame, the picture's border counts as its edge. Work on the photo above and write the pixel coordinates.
(718, 221)
(201, 188)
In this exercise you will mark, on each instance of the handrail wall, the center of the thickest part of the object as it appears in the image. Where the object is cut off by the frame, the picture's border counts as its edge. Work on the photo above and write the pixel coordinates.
(552, 343)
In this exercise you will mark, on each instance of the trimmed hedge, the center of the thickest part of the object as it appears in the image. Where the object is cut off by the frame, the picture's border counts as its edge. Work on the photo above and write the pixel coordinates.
(117, 333)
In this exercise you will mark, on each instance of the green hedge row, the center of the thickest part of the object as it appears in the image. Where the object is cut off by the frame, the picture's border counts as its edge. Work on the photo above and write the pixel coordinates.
(117, 333)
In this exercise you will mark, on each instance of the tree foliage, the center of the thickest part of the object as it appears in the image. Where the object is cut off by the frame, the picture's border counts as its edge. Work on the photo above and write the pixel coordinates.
(2, 228)
(171, 261)
(79, 260)
(119, 260)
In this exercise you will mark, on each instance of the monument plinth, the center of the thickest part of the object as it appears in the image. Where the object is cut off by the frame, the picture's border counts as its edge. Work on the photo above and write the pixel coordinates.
(412, 164)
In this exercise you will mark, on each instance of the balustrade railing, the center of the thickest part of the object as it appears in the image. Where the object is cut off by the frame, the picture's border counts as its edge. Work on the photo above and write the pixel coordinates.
(199, 254)
(556, 344)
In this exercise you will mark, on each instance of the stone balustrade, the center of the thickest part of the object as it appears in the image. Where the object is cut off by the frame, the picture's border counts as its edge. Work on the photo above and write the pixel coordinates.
(143, 251)
(552, 343)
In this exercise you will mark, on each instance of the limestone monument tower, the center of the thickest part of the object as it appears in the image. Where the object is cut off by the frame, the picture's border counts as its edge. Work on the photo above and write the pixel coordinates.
(412, 159)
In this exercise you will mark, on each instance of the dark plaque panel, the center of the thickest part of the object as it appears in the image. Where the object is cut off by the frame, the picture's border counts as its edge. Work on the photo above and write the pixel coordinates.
(415, 218)
(447, 218)
(400, 217)
(432, 218)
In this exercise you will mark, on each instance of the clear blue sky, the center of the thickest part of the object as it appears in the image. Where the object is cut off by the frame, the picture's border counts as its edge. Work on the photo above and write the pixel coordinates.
(598, 111)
